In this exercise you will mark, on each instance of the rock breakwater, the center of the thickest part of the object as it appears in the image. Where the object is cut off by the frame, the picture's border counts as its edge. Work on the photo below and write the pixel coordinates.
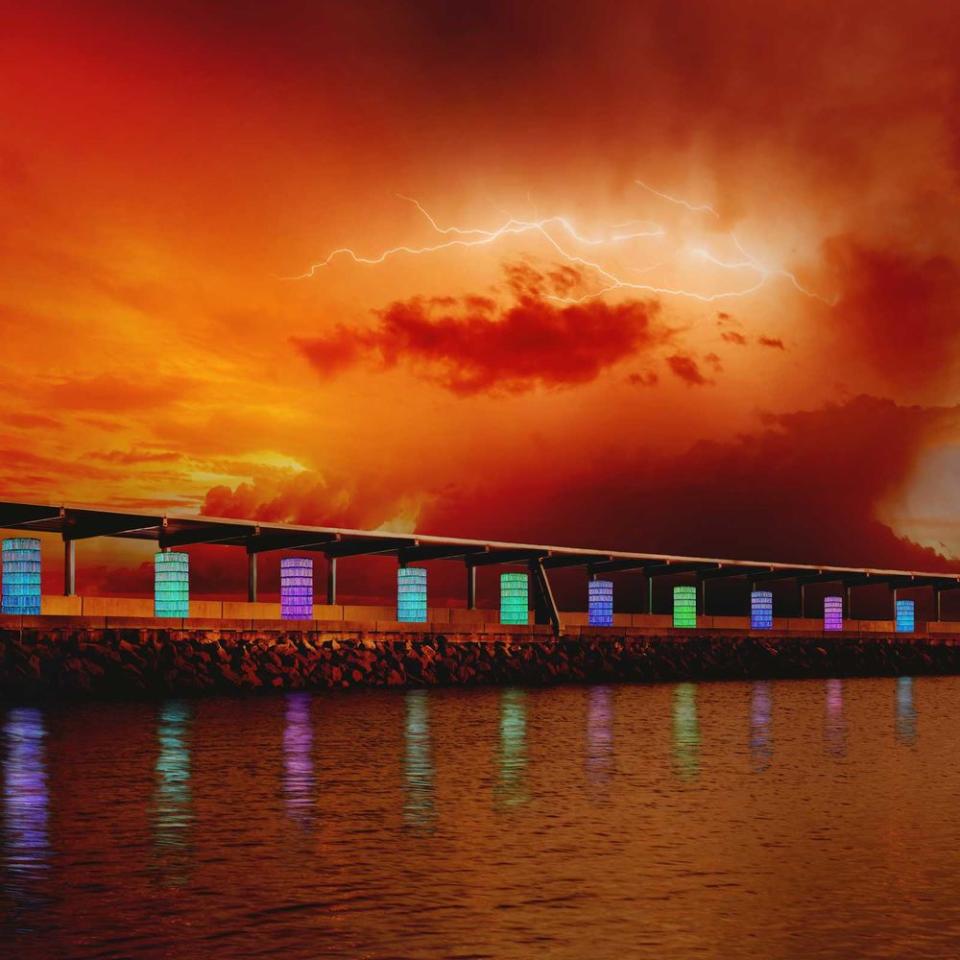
(37, 663)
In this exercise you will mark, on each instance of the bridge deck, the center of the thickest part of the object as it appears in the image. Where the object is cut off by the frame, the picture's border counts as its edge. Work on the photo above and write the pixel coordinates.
(171, 529)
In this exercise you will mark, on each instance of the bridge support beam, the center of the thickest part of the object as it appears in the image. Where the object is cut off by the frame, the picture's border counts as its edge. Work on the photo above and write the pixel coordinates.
(69, 568)
(544, 605)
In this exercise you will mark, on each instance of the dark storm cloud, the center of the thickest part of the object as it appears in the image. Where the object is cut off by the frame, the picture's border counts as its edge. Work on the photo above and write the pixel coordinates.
(805, 488)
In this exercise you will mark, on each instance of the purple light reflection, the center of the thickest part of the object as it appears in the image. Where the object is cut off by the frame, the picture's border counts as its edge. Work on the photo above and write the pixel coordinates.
(835, 732)
(25, 795)
(298, 775)
(761, 740)
(599, 760)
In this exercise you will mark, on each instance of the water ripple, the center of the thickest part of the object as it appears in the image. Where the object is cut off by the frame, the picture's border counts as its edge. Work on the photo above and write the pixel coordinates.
(768, 820)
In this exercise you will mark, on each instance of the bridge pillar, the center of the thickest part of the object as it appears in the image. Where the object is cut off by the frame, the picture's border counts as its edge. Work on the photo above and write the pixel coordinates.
(251, 576)
(331, 580)
(69, 567)
(703, 598)
(803, 601)
(471, 586)
(849, 598)
(649, 594)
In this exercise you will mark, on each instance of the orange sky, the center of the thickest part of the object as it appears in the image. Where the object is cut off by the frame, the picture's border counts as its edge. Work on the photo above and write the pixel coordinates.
(167, 169)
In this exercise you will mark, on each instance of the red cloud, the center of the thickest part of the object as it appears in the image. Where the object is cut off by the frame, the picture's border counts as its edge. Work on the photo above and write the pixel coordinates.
(128, 457)
(686, 369)
(471, 345)
(308, 498)
(106, 392)
(775, 342)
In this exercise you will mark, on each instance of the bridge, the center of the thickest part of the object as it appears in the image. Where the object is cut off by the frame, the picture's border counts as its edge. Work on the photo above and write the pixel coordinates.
(171, 531)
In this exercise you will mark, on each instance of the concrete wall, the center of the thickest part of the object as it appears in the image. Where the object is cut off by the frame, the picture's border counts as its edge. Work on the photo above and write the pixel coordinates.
(135, 612)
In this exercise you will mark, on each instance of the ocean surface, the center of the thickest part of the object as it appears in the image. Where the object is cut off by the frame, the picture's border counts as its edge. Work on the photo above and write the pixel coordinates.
(793, 819)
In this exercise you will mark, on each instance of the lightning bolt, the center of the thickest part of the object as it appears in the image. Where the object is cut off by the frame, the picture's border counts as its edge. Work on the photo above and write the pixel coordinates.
(478, 237)
(692, 207)
(560, 233)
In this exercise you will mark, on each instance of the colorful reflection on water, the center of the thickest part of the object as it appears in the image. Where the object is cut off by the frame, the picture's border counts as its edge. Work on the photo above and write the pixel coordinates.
(834, 727)
(511, 786)
(686, 731)
(906, 713)
(761, 739)
(26, 805)
(172, 813)
(602, 822)
(418, 806)
(599, 756)
(298, 776)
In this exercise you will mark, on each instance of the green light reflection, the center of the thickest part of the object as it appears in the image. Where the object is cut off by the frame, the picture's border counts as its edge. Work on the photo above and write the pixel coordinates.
(686, 731)
(419, 808)
(511, 788)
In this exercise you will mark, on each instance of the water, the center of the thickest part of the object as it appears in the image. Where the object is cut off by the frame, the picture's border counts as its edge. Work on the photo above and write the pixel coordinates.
(760, 820)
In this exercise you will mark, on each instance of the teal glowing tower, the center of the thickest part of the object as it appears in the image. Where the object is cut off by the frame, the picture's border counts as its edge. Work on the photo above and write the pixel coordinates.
(905, 616)
(514, 602)
(171, 585)
(600, 603)
(412, 595)
(685, 607)
(21, 576)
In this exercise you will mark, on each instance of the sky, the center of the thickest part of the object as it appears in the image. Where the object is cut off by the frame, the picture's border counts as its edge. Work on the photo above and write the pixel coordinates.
(654, 276)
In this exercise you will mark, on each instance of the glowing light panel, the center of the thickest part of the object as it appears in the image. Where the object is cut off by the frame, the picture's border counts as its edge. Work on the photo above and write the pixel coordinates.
(171, 585)
(685, 607)
(21, 576)
(514, 601)
(905, 616)
(296, 588)
(833, 613)
(600, 603)
(412, 595)
(761, 610)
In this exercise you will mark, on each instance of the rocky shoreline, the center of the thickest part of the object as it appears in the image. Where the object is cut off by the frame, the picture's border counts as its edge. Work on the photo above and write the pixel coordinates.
(139, 663)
